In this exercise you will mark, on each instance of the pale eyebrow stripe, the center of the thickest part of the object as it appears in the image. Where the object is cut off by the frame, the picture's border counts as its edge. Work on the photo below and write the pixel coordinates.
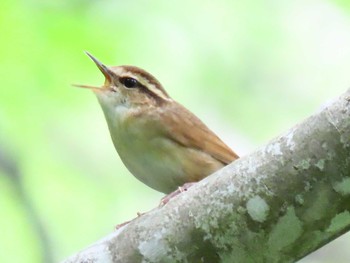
(154, 92)
(152, 85)
(138, 72)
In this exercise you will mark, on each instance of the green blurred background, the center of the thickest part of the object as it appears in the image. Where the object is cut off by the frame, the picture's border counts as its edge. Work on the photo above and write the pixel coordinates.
(249, 69)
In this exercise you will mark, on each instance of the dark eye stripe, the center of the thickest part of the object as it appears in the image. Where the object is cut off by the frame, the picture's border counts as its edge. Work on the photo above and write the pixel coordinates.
(155, 90)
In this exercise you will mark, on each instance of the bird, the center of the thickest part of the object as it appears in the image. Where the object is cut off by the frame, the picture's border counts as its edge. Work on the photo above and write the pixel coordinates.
(161, 143)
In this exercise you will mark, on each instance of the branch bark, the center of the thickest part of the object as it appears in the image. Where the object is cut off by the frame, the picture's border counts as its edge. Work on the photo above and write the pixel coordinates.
(277, 204)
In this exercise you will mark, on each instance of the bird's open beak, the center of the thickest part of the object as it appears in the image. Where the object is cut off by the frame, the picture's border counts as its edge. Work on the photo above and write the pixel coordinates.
(105, 71)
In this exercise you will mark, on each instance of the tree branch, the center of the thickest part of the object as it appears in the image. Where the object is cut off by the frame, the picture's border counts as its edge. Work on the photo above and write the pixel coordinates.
(9, 165)
(277, 204)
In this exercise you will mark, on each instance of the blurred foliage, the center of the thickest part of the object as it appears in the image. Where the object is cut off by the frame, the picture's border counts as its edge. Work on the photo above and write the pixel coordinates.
(250, 69)
(343, 4)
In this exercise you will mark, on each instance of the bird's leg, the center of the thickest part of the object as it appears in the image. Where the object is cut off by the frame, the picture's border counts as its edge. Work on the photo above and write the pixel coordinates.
(179, 190)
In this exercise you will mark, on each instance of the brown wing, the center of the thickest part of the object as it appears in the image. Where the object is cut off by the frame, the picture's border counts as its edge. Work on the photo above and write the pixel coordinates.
(196, 134)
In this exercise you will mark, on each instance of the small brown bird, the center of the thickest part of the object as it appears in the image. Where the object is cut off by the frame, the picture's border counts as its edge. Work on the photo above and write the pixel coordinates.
(162, 143)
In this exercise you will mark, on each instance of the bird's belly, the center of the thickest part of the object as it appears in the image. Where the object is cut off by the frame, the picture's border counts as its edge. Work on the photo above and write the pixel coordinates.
(164, 165)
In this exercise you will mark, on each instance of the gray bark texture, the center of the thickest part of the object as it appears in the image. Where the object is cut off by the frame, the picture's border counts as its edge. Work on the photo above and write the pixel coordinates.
(277, 204)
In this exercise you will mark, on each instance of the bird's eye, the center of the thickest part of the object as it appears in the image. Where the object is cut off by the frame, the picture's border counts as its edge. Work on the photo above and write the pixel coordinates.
(129, 82)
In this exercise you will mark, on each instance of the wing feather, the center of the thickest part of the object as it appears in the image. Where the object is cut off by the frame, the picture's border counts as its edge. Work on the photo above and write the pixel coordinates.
(196, 135)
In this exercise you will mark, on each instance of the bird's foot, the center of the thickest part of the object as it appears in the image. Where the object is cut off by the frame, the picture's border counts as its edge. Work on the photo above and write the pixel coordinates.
(127, 222)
